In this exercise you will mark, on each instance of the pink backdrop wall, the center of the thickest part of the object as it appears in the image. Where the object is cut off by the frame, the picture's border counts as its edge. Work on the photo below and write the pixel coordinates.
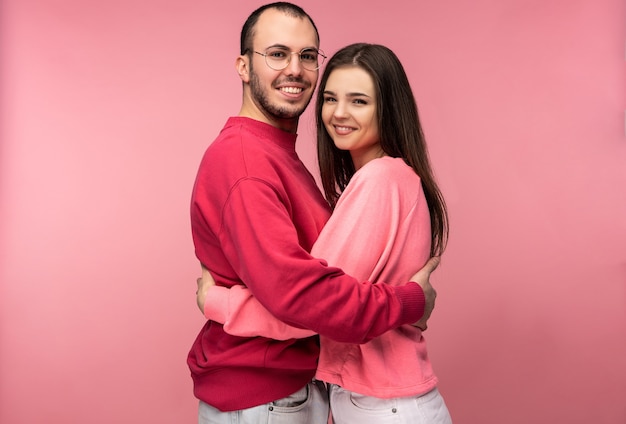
(106, 108)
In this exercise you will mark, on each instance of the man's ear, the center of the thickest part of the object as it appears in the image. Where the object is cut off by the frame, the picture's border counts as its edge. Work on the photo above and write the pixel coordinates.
(243, 66)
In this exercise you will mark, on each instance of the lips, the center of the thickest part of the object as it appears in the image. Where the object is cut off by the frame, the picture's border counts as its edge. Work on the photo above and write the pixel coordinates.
(291, 90)
(291, 86)
(342, 130)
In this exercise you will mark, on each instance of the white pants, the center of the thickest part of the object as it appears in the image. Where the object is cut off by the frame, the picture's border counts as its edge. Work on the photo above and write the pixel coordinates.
(349, 408)
(308, 405)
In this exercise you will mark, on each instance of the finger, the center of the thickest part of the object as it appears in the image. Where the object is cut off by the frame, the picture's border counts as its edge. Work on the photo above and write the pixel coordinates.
(206, 274)
(432, 263)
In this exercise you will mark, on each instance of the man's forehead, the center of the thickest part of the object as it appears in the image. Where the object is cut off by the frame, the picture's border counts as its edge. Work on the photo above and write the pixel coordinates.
(277, 28)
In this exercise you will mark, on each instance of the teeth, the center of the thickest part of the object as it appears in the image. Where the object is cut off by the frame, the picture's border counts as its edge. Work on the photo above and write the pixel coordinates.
(291, 90)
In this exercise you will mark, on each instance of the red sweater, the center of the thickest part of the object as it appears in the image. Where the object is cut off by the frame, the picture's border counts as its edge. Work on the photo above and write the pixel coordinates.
(255, 214)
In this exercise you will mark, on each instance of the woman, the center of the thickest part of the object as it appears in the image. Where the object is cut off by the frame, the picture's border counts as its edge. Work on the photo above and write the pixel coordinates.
(387, 211)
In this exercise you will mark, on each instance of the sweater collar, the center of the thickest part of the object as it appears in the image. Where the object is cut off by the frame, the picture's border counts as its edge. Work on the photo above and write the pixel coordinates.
(283, 139)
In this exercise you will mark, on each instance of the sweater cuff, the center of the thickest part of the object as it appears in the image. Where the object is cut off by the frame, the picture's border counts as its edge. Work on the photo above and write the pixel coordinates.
(216, 298)
(413, 302)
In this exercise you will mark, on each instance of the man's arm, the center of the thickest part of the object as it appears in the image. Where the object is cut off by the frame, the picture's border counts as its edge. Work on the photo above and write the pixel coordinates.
(422, 277)
(242, 315)
(358, 229)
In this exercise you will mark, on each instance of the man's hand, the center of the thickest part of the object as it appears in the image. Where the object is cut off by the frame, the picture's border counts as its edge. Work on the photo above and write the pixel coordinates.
(204, 284)
(423, 279)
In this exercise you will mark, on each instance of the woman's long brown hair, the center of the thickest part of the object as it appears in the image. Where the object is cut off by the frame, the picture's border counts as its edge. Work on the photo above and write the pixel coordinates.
(400, 130)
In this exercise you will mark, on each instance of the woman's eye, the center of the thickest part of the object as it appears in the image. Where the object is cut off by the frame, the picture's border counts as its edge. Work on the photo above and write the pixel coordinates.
(329, 99)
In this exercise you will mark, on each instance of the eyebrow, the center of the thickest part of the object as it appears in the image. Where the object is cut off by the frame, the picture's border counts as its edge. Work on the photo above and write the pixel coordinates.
(354, 94)
(283, 47)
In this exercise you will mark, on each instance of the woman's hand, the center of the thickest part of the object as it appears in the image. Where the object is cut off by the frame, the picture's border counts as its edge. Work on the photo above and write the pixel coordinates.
(204, 284)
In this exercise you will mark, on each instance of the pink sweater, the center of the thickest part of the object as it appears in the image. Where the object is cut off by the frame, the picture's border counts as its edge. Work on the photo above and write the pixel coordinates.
(379, 231)
(255, 213)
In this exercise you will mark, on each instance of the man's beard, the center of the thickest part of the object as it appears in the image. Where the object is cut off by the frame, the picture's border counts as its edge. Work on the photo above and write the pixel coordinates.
(260, 96)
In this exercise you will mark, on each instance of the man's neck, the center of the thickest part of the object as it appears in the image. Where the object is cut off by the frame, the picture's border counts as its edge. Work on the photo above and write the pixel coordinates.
(288, 125)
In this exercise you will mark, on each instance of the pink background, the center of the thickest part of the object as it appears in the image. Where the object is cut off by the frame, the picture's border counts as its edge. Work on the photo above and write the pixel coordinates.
(107, 106)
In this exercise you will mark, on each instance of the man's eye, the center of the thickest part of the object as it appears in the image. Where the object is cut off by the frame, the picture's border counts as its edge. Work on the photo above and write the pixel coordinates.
(276, 54)
(308, 56)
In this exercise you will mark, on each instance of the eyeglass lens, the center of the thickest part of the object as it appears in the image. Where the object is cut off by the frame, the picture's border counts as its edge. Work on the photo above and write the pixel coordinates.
(278, 59)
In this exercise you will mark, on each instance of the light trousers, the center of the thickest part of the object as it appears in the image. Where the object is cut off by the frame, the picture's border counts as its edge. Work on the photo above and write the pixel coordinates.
(308, 405)
(349, 408)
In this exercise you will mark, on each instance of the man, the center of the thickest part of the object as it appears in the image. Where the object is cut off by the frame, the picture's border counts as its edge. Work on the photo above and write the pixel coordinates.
(256, 211)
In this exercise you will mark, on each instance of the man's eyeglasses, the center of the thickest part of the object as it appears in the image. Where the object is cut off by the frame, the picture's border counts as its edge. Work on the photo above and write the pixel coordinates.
(278, 59)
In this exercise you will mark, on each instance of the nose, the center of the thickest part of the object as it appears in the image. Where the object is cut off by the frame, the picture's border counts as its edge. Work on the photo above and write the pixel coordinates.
(340, 110)
(294, 67)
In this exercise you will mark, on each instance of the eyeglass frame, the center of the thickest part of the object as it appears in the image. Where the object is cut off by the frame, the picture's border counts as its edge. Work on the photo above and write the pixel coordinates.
(291, 53)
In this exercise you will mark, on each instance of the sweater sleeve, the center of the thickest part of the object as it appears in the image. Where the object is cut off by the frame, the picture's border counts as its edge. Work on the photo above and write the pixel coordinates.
(359, 235)
(358, 238)
(243, 315)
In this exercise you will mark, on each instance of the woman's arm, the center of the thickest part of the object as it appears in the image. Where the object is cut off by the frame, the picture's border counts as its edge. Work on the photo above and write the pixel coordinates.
(240, 312)
(359, 238)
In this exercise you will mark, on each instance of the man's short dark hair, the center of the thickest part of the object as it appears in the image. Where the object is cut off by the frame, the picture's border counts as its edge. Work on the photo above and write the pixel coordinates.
(247, 32)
